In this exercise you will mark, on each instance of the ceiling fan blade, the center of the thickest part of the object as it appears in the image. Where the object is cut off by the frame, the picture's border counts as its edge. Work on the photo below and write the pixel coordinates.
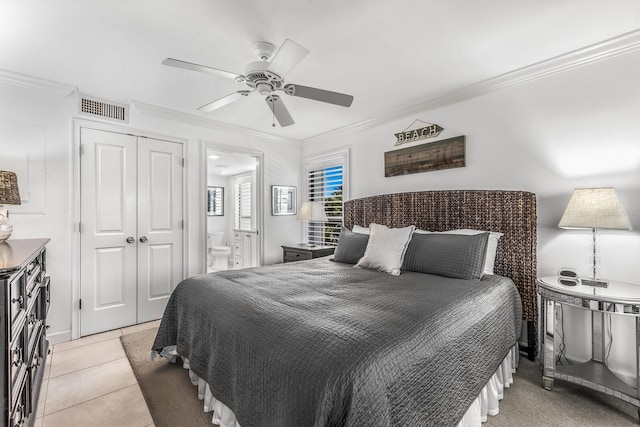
(279, 110)
(225, 100)
(202, 69)
(288, 55)
(319, 95)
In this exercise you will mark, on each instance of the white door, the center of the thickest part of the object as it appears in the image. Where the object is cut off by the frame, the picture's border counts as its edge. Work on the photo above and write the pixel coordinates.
(159, 225)
(131, 235)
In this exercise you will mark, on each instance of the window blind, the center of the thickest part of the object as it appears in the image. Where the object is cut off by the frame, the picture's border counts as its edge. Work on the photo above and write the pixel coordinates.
(243, 207)
(215, 202)
(325, 183)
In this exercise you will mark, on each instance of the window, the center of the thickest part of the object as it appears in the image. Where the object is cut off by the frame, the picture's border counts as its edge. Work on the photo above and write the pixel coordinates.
(215, 201)
(242, 193)
(326, 183)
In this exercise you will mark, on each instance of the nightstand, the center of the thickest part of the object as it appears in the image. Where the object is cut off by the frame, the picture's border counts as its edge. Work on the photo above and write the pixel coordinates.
(618, 299)
(304, 251)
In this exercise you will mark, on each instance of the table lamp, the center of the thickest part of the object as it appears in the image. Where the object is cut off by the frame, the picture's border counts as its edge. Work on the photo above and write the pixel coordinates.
(312, 211)
(595, 208)
(9, 195)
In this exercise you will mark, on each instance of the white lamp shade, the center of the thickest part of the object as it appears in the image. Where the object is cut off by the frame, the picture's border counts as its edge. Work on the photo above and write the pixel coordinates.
(312, 211)
(595, 208)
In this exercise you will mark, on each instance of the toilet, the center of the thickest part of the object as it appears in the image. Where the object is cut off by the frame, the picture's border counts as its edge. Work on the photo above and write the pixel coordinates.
(218, 251)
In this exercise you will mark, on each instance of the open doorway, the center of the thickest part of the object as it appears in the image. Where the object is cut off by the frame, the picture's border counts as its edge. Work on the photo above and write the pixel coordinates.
(233, 214)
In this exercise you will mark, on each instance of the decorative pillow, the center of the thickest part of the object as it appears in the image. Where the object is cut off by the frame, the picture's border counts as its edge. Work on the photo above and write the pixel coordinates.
(492, 245)
(360, 229)
(351, 246)
(386, 248)
(451, 255)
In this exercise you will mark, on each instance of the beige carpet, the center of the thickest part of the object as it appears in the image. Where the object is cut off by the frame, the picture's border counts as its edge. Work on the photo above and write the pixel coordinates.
(171, 398)
(173, 401)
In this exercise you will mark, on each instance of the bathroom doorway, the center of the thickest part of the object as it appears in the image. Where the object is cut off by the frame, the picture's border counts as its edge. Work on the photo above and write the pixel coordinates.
(233, 212)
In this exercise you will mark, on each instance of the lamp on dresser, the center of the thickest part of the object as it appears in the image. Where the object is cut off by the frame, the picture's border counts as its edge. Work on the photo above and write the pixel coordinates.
(595, 208)
(9, 195)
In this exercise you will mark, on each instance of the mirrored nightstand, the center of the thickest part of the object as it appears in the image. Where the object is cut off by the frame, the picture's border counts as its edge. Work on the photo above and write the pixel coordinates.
(617, 299)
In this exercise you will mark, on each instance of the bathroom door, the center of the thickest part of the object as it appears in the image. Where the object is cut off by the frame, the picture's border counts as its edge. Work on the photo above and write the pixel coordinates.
(131, 228)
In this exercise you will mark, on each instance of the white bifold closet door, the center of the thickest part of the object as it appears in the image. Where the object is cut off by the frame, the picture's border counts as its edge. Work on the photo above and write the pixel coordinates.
(131, 234)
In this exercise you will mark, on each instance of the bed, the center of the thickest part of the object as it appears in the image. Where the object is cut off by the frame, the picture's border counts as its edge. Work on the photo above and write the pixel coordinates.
(320, 343)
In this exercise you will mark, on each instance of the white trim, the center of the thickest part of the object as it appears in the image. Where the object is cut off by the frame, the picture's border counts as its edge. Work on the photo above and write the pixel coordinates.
(59, 337)
(610, 48)
(78, 123)
(36, 84)
(260, 190)
(174, 115)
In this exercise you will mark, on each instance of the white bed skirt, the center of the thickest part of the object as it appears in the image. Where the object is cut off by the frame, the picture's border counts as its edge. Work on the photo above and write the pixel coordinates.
(487, 402)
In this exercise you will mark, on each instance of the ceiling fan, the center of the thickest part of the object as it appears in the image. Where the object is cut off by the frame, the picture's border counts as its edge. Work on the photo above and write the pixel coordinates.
(266, 77)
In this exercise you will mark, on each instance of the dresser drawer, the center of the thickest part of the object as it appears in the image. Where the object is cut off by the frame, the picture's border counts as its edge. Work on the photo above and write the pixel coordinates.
(293, 255)
(36, 352)
(17, 303)
(34, 281)
(45, 298)
(17, 359)
(32, 326)
(19, 408)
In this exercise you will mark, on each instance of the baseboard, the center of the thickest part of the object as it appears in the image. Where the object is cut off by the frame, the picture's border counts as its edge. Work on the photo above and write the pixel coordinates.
(59, 337)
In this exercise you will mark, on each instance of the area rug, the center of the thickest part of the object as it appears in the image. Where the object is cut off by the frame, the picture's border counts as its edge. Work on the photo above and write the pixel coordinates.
(171, 398)
(173, 401)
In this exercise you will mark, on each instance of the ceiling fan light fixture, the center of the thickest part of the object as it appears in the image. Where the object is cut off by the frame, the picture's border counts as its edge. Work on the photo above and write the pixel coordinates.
(264, 50)
(264, 88)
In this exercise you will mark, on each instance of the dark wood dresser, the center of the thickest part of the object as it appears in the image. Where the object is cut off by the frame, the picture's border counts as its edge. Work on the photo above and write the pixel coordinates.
(304, 251)
(23, 324)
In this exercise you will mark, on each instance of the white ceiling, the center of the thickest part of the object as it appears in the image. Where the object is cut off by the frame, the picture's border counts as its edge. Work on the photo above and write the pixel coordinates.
(387, 54)
(221, 163)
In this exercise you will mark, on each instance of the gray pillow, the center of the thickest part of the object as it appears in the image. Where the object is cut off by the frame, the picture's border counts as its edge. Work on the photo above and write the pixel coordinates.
(351, 246)
(451, 255)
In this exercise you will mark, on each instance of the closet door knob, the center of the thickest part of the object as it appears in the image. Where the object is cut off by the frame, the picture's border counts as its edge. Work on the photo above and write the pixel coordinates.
(143, 239)
(130, 239)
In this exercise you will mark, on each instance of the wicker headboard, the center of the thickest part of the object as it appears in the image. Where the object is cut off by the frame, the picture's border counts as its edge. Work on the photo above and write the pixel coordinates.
(510, 212)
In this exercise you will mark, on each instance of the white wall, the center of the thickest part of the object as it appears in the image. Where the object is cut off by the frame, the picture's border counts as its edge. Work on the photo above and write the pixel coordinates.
(53, 113)
(56, 115)
(580, 128)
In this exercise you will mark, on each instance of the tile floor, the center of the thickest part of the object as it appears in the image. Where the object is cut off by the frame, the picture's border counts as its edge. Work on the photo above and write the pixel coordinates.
(89, 382)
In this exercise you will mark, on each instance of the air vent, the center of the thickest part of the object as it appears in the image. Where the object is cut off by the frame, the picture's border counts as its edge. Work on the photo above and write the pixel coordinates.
(108, 110)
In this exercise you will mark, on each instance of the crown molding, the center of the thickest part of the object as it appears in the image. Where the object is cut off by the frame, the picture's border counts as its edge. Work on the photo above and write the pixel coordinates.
(620, 45)
(36, 84)
(174, 115)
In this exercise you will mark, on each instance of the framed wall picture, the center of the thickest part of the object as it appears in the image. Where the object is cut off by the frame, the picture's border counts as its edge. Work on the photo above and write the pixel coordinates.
(215, 201)
(283, 200)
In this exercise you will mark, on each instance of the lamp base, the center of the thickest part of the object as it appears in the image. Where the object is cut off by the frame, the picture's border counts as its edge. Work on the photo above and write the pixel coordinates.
(6, 228)
(598, 283)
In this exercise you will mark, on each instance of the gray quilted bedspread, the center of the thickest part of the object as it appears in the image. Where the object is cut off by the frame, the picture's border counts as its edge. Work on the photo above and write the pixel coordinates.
(320, 343)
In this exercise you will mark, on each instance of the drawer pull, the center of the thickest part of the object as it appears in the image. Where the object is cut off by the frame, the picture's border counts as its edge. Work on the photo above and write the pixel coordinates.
(18, 300)
(20, 410)
(17, 352)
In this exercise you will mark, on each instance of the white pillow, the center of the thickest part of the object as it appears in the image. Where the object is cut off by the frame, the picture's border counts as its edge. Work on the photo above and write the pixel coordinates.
(492, 246)
(360, 229)
(386, 248)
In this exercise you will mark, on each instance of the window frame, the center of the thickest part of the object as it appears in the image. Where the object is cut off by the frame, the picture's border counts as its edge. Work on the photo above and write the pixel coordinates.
(318, 163)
